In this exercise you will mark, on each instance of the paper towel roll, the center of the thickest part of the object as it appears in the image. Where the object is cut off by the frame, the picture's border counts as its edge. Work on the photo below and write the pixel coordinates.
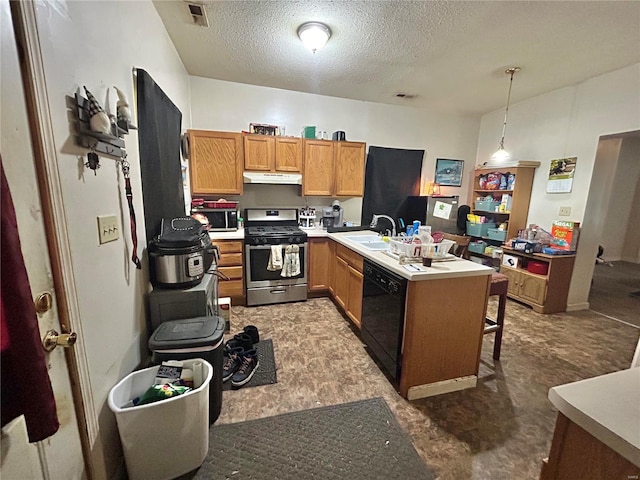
(197, 374)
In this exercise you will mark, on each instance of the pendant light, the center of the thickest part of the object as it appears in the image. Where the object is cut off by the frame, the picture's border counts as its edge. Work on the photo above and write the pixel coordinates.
(501, 155)
(314, 35)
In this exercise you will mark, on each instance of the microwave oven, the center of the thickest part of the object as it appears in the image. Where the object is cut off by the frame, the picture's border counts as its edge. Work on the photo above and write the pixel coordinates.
(220, 219)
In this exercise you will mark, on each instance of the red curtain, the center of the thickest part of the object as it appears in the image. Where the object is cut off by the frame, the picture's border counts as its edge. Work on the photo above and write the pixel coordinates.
(25, 387)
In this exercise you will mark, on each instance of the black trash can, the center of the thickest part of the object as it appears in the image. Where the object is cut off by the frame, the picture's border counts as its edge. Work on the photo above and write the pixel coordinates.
(199, 337)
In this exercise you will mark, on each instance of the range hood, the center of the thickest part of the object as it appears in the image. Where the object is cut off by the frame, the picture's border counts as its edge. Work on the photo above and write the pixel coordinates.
(273, 178)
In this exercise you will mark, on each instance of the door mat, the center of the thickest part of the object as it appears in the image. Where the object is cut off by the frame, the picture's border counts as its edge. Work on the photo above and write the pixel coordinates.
(266, 371)
(359, 440)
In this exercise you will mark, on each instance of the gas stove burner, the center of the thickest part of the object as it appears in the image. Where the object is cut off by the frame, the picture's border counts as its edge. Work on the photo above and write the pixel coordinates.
(273, 231)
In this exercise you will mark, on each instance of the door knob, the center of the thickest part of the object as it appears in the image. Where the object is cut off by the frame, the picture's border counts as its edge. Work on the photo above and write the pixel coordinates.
(52, 339)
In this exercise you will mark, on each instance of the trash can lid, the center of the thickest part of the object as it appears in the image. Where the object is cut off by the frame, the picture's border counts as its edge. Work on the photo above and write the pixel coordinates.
(187, 333)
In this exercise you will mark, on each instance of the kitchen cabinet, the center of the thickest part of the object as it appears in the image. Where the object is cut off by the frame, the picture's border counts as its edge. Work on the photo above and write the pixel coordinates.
(267, 153)
(516, 217)
(321, 251)
(544, 293)
(348, 281)
(333, 168)
(231, 265)
(215, 162)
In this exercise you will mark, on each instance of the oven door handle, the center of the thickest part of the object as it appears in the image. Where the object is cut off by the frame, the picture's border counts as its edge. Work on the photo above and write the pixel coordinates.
(265, 247)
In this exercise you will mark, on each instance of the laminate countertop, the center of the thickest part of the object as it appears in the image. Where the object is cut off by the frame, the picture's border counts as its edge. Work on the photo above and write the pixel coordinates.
(608, 407)
(453, 268)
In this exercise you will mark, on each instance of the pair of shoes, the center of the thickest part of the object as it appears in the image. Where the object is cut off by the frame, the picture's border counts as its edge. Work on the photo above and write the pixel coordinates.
(239, 365)
(245, 339)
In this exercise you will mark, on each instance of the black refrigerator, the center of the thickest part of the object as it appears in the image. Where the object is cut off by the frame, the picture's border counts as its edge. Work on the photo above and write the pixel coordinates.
(440, 212)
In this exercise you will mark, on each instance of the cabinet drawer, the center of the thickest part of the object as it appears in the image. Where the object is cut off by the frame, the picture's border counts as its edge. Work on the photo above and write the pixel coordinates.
(229, 247)
(230, 288)
(230, 259)
(233, 273)
(352, 258)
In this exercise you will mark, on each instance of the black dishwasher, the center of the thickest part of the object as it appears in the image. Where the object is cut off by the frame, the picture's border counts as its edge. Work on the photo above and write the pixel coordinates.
(383, 302)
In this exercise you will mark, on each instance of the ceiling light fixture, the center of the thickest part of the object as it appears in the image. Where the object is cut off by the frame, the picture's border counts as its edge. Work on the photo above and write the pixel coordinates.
(314, 35)
(501, 155)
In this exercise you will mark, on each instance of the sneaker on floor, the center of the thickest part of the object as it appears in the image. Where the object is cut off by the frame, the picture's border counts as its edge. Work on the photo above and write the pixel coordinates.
(239, 340)
(249, 364)
(231, 362)
(252, 331)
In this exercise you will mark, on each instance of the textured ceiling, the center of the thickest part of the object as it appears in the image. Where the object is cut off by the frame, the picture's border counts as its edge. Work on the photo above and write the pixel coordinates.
(450, 54)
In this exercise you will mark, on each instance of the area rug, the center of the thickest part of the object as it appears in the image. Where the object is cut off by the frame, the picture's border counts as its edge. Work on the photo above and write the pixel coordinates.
(266, 371)
(359, 440)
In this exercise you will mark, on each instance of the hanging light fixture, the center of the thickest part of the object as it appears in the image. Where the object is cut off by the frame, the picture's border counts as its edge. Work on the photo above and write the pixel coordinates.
(314, 35)
(501, 155)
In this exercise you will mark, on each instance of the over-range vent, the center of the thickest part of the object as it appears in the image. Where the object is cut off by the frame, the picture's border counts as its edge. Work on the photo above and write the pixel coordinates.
(198, 14)
(407, 96)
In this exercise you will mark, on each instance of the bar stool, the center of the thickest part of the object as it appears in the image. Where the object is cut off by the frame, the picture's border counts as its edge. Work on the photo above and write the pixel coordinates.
(499, 286)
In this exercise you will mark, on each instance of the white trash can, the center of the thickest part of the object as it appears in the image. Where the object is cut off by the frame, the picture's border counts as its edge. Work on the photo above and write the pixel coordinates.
(165, 439)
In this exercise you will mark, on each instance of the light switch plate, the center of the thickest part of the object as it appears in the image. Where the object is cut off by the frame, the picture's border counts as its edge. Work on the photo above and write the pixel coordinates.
(108, 229)
(564, 211)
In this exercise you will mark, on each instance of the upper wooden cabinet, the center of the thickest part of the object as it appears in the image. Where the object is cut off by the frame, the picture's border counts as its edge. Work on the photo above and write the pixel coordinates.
(265, 153)
(215, 162)
(333, 168)
(349, 169)
(317, 179)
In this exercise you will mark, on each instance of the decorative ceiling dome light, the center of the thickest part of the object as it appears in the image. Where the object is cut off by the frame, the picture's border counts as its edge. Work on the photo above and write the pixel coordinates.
(314, 35)
(501, 155)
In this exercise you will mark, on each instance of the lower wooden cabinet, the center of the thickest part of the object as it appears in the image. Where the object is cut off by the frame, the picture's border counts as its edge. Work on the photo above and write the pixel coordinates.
(348, 282)
(231, 265)
(544, 293)
(321, 255)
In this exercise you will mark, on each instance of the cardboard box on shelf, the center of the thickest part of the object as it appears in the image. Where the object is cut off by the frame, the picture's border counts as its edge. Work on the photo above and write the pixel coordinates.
(225, 312)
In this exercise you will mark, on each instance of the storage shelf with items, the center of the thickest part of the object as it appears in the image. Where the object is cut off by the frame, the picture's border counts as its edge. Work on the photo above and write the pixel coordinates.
(502, 195)
(537, 279)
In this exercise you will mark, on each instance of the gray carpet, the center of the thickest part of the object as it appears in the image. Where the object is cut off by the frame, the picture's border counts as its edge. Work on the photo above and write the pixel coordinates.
(613, 291)
(266, 371)
(358, 440)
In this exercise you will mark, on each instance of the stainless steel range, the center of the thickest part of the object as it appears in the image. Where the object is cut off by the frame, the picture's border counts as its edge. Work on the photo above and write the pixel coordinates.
(269, 234)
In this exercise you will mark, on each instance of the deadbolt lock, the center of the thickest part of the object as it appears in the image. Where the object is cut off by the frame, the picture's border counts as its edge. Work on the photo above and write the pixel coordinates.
(53, 339)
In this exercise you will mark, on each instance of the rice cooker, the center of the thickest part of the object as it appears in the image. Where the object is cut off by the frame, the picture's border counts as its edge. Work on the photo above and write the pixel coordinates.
(181, 254)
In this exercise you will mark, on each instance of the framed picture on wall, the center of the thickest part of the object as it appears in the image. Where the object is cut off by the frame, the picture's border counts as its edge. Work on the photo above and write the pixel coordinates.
(449, 172)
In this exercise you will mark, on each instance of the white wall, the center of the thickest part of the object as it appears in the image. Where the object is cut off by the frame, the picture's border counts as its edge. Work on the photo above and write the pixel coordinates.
(627, 174)
(97, 44)
(227, 106)
(567, 123)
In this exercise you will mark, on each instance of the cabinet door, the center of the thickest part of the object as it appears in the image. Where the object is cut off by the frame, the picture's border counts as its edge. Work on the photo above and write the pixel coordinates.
(349, 169)
(259, 152)
(288, 154)
(319, 264)
(533, 288)
(341, 282)
(215, 162)
(317, 177)
(354, 299)
(514, 280)
(331, 261)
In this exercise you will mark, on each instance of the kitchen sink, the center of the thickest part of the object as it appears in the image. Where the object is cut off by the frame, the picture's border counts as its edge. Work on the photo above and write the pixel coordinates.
(364, 238)
(379, 245)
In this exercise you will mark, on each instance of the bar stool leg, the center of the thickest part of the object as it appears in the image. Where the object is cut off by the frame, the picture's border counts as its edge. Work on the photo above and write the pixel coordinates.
(497, 341)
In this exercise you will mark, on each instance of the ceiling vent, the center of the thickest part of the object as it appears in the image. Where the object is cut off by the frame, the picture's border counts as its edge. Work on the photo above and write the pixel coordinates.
(198, 14)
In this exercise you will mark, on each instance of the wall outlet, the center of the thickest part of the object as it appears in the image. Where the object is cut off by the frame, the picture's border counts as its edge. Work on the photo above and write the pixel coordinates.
(564, 211)
(108, 230)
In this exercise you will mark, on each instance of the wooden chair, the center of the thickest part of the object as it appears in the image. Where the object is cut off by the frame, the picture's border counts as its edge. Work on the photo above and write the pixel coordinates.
(499, 286)
(461, 248)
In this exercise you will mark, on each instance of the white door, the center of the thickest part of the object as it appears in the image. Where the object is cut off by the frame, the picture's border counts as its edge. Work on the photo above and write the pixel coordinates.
(60, 456)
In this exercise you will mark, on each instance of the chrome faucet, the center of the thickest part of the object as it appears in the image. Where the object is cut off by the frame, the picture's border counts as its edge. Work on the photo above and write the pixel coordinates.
(374, 223)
